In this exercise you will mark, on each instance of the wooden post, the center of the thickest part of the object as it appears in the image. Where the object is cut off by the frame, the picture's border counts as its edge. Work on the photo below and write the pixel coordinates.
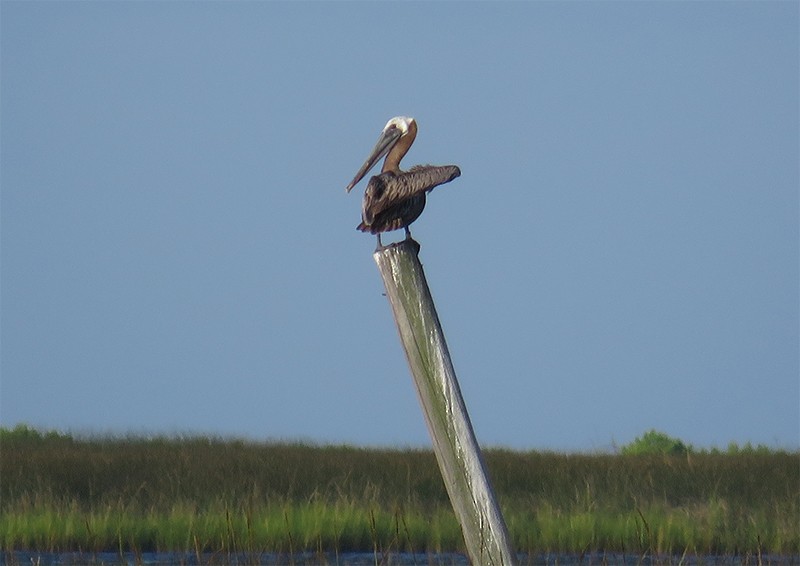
(454, 442)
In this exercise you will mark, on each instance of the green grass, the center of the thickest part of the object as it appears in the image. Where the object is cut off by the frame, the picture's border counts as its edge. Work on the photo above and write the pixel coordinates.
(59, 493)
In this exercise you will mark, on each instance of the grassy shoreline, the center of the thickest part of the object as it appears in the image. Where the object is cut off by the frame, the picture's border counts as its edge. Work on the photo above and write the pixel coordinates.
(59, 493)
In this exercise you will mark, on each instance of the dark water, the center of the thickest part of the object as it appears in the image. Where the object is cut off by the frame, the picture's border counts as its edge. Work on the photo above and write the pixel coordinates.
(372, 559)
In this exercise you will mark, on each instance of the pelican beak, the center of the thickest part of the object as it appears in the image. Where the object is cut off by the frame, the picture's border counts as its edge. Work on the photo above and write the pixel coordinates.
(388, 138)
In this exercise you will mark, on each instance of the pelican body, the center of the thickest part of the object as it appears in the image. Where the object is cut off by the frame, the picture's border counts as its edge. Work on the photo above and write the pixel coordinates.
(394, 198)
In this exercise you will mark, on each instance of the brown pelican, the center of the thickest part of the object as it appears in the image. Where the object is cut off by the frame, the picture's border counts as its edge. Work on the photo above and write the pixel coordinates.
(395, 198)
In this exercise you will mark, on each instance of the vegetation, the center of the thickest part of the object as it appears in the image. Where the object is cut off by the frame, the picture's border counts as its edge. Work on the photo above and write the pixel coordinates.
(654, 442)
(61, 493)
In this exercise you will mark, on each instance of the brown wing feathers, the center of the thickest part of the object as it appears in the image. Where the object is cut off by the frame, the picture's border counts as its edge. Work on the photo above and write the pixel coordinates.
(393, 201)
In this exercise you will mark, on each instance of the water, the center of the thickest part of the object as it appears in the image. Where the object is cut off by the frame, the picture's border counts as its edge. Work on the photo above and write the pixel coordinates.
(372, 559)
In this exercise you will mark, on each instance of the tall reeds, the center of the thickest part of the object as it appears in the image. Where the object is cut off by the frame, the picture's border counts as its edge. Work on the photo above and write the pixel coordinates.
(205, 494)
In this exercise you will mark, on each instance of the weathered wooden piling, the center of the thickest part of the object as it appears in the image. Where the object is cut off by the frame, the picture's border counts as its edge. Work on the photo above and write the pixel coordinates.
(454, 442)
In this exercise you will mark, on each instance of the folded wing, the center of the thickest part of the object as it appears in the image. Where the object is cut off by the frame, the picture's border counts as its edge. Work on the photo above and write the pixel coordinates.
(398, 199)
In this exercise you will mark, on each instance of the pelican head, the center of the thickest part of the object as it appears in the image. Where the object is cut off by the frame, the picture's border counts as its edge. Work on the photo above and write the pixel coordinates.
(395, 129)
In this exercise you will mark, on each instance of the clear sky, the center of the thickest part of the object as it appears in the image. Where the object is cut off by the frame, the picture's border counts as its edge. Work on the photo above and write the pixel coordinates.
(620, 253)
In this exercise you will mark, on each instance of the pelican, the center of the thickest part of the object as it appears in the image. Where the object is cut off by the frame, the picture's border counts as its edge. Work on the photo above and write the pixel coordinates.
(394, 198)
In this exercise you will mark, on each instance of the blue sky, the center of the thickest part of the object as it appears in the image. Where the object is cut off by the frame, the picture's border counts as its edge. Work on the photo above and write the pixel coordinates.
(620, 253)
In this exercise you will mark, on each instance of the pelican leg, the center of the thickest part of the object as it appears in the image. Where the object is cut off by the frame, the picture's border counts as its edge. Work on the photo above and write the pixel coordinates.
(408, 233)
(380, 244)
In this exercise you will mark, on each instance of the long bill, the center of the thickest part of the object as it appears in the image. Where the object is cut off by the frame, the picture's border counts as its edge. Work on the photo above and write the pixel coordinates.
(385, 143)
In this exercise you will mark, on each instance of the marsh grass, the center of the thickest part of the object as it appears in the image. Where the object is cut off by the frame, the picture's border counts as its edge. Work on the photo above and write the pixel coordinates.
(59, 493)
